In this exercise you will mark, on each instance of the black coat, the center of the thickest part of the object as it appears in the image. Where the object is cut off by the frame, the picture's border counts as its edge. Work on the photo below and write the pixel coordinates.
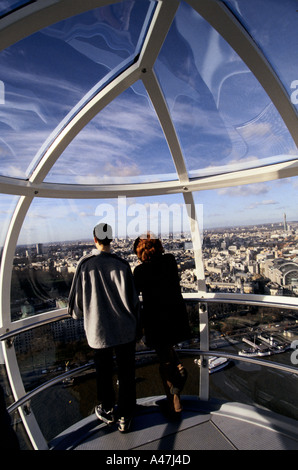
(164, 316)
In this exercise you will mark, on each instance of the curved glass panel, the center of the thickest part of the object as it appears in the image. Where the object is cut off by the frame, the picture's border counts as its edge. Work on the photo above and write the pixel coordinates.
(254, 332)
(40, 85)
(250, 241)
(7, 399)
(56, 233)
(279, 48)
(223, 117)
(124, 143)
(7, 206)
(256, 385)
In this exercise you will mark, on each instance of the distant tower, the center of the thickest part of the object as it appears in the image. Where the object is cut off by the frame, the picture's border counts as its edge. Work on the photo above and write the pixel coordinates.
(39, 248)
(285, 223)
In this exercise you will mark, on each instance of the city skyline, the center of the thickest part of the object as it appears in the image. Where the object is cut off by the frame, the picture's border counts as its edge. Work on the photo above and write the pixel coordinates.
(277, 225)
(59, 220)
(234, 259)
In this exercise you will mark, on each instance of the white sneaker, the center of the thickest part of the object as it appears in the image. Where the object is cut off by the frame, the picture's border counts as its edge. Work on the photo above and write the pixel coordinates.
(105, 416)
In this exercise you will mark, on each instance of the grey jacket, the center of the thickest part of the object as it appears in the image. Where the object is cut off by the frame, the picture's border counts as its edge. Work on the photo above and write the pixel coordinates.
(103, 293)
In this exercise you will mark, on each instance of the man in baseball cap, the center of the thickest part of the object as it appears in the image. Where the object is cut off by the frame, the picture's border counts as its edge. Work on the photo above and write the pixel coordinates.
(103, 293)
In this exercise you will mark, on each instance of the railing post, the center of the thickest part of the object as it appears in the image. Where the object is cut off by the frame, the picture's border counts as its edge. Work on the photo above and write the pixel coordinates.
(30, 424)
(204, 346)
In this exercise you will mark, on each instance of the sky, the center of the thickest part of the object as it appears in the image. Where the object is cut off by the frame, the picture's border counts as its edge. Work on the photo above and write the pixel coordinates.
(223, 118)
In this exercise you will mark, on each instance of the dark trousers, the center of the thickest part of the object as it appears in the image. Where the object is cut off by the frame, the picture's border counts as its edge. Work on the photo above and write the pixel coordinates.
(104, 365)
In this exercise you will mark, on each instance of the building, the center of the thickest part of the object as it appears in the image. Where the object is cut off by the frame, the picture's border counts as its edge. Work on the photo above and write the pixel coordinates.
(282, 271)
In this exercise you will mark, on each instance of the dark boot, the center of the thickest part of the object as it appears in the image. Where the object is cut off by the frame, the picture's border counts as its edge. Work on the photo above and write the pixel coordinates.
(173, 397)
(179, 379)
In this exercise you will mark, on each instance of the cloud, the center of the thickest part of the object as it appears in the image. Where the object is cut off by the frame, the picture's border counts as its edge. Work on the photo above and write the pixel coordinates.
(268, 202)
(13, 171)
(111, 173)
(245, 190)
(256, 129)
(241, 160)
(116, 143)
(120, 169)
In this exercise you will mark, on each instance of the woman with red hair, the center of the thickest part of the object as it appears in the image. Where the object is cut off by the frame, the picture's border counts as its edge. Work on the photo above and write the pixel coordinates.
(164, 316)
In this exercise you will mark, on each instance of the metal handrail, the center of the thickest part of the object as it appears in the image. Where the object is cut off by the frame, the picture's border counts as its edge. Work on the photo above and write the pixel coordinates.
(289, 303)
(58, 379)
(30, 326)
(46, 385)
(260, 362)
(243, 299)
(198, 352)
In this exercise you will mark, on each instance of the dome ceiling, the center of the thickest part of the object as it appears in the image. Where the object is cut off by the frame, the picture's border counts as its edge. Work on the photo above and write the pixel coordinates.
(145, 92)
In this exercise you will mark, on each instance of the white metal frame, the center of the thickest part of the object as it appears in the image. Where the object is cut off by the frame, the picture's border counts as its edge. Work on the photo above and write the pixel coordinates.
(45, 12)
